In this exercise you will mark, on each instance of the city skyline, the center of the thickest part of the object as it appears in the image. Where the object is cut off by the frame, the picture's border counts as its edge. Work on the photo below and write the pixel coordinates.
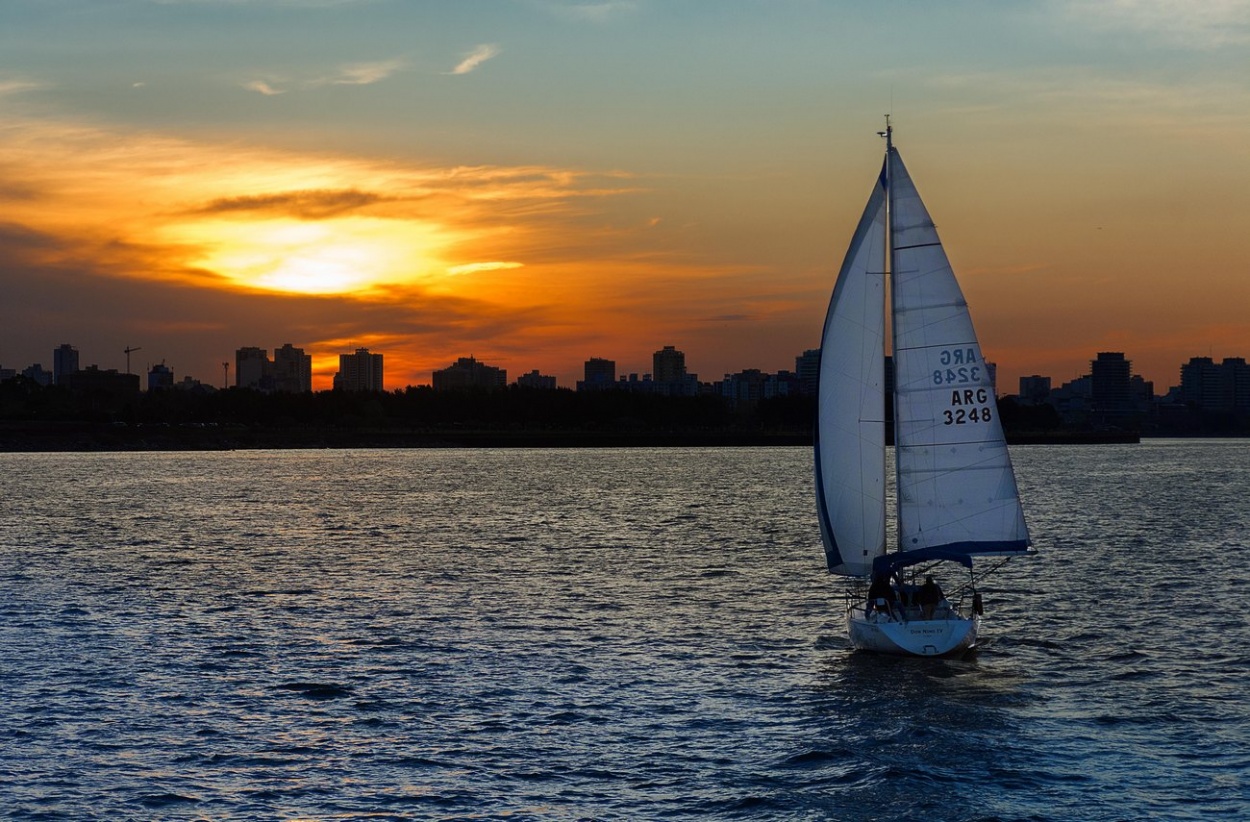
(534, 183)
(288, 370)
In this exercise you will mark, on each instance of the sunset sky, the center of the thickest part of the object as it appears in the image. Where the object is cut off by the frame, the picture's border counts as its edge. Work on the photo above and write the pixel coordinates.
(537, 182)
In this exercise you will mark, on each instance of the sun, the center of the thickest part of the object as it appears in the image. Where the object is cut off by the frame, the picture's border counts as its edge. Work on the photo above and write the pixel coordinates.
(341, 256)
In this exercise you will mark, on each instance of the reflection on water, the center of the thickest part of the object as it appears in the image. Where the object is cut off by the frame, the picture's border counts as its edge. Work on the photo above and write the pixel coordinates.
(608, 634)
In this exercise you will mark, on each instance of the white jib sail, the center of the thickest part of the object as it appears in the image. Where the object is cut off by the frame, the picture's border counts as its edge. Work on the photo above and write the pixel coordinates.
(956, 489)
(850, 429)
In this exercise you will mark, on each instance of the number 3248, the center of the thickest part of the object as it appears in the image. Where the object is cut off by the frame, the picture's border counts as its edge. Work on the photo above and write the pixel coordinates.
(962, 416)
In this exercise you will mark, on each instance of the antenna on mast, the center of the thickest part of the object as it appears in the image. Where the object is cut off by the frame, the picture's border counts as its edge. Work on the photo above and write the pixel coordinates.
(225, 375)
(888, 134)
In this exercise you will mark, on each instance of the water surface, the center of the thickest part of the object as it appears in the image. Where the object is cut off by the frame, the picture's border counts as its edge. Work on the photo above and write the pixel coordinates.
(609, 634)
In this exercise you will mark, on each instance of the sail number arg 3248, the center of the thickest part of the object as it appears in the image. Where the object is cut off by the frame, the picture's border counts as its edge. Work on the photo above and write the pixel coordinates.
(959, 367)
(968, 405)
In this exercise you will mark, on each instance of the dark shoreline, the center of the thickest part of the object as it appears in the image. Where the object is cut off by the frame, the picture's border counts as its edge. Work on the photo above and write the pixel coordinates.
(92, 437)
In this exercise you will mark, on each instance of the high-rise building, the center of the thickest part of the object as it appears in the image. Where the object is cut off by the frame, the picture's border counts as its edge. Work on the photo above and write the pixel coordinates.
(64, 361)
(600, 375)
(467, 372)
(251, 368)
(807, 366)
(668, 365)
(669, 374)
(360, 371)
(292, 370)
(1211, 387)
(991, 368)
(160, 377)
(1111, 395)
(1235, 383)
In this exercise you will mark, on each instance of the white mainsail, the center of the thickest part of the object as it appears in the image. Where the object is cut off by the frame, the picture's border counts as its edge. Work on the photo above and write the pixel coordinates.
(956, 491)
(850, 426)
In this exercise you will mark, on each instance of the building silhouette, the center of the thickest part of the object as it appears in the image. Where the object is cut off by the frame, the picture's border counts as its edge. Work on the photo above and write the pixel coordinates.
(252, 369)
(105, 390)
(668, 365)
(38, 375)
(744, 388)
(1236, 383)
(1208, 386)
(1034, 389)
(669, 376)
(1111, 397)
(783, 384)
(64, 361)
(467, 372)
(360, 371)
(807, 367)
(292, 370)
(535, 380)
(599, 375)
(160, 377)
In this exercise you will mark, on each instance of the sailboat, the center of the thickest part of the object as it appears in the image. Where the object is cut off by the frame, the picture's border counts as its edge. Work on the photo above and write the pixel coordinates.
(956, 495)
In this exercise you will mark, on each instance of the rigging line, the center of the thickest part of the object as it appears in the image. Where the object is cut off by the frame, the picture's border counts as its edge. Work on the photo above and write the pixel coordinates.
(917, 245)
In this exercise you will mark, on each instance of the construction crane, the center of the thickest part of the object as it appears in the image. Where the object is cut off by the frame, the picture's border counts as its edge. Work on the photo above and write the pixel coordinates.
(128, 349)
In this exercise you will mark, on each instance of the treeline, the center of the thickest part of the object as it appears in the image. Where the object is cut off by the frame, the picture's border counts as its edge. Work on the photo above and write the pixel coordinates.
(236, 417)
(421, 407)
(33, 417)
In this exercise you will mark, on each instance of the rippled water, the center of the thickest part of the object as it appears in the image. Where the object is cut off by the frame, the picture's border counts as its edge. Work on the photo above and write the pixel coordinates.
(615, 634)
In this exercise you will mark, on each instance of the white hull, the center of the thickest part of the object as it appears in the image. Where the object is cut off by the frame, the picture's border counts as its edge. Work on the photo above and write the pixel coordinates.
(952, 634)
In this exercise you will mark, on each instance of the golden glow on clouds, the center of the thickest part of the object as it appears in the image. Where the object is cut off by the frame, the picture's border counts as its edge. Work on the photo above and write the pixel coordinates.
(349, 255)
(284, 223)
(520, 265)
(473, 268)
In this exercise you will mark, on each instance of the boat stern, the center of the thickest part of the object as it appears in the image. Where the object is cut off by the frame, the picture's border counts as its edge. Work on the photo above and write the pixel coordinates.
(883, 633)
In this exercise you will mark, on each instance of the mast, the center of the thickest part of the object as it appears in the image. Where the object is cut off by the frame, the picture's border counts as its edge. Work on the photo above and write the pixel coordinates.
(888, 134)
(890, 305)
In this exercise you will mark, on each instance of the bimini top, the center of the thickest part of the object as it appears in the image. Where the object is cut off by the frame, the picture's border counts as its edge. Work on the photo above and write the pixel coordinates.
(889, 563)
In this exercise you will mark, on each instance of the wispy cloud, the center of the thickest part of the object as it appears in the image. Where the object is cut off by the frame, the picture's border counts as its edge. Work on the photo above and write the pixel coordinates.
(476, 58)
(362, 74)
(347, 74)
(17, 86)
(262, 87)
(473, 268)
(305, 205)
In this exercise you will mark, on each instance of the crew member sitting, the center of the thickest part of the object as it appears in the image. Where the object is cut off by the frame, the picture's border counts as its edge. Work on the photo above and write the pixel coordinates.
(929, 596)
(881, 596)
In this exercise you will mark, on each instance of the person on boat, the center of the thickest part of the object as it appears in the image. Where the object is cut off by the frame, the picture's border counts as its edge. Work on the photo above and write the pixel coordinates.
(881, 596)
(929, 596)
